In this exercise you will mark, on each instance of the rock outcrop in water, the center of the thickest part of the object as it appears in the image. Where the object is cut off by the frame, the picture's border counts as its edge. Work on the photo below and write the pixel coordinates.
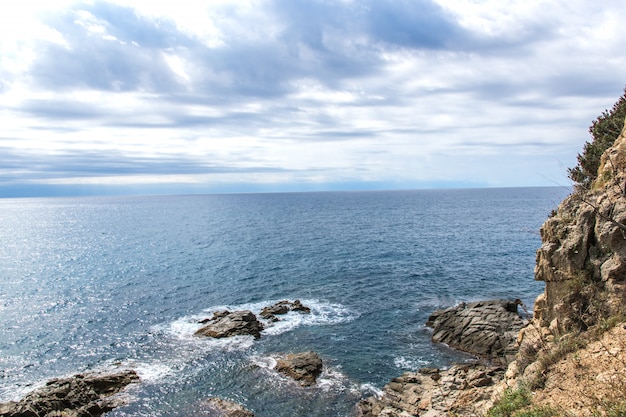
(303, 367)
(226, 408)
(283, 307)
(231, 323)
(488, 329)
(83, 395)
(485, 328)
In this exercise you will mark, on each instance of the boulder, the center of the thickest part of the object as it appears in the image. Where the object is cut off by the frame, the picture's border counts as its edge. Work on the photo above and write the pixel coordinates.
(228, 324)
(304, 367)
(227, 408)
(462, 390)
(486, 328)
(283, 307)
(82, 395)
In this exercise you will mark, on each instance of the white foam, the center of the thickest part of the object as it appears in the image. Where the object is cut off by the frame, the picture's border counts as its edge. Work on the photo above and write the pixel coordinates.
(265, 362)
(332, 379)
(410, 364)
(371, 389)
(153, 372)
(322, 313)
(183, 330)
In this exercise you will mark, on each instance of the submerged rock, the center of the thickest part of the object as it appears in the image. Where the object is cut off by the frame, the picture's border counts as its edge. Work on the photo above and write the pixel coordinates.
(283, 307)
(82, 395)
(227, 408)
(228, 324)
(304, 367)
(488, 329)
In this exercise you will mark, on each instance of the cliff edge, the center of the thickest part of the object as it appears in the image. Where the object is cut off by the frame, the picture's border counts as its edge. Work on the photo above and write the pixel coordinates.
(571, 358)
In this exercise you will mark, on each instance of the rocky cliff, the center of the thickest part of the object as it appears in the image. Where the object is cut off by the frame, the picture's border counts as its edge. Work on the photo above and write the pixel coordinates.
(577, 337)
(571, 356)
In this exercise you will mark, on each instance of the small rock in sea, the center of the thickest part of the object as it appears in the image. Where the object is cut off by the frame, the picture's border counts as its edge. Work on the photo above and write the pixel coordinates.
(227, 408)
(216, 315)
(303, 367)
(235, 323)
(283, 307)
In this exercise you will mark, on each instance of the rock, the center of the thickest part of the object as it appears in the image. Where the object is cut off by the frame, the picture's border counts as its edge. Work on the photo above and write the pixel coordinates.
(228, 324)
(227, 408)
(304, 367)
(283, 307)
(216, 315)
(461, 390)
(488, 329)
(82, 395)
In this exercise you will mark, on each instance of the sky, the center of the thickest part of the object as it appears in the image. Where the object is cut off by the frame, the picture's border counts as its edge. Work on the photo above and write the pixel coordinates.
(213, 96)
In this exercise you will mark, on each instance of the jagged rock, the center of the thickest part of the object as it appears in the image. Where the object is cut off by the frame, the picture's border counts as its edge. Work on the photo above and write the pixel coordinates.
(228, 324)
(486, 328)
(227, 408)
(304, 367)
(582, 261)
(216, 315)
(283, 307)
(82, 395)
(461, 390)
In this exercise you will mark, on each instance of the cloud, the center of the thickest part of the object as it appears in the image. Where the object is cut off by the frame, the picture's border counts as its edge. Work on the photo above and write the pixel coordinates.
(309, 91)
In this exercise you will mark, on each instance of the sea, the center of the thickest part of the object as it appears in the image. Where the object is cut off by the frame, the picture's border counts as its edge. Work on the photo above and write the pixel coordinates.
(109, 283)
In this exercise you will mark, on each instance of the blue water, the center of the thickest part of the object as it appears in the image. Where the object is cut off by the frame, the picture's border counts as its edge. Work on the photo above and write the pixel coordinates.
(109, 282)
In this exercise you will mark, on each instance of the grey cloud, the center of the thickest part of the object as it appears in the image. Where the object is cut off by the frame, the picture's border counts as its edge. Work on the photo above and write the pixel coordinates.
(107, 64)
(34, 166)
(340, 40)
(414, 24)
(62, 109)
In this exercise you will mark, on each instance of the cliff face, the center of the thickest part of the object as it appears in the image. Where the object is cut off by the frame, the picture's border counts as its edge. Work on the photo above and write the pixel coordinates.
(571, 357)
(583, 256)
(582, 260)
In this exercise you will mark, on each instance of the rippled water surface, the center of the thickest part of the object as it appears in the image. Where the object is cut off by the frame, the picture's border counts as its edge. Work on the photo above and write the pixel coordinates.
(103, 283)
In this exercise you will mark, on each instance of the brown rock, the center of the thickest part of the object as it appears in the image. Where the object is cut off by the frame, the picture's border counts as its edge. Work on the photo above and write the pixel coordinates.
(83, 395)
(304, 367)
(228, 324)
(460, 390)
(283, 307)
(486, 328)
(227, 408)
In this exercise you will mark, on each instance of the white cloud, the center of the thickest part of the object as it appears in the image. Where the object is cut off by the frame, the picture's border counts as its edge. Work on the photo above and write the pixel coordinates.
(488, 92)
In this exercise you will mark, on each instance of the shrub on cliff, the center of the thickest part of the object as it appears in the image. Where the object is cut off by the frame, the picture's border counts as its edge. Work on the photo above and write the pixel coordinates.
(604, 130)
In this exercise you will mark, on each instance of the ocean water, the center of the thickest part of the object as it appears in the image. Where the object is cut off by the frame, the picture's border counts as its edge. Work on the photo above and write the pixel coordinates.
(103, 283)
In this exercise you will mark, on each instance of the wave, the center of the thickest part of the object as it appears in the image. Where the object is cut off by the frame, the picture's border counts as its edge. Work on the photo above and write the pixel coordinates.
(331, 378)
(322, 313)
(412, 364)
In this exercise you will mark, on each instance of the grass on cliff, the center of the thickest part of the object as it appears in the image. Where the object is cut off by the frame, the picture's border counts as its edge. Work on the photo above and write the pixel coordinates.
(518, 403)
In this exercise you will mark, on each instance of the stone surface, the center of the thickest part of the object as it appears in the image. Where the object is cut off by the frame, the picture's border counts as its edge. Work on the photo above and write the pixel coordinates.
(584, 241)
(582, 260)
(488, 329)
(226, 408)
(283, 307)
(83, 395)
(461, 390)
(229, 324)
(304, 367)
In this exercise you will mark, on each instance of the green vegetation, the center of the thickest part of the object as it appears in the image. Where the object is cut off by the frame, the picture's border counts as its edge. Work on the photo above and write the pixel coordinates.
(511, 401)
(604, 130)
(517, 403)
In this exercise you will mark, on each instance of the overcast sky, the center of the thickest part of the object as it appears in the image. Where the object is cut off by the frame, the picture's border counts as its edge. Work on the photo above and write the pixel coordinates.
(294, 95)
